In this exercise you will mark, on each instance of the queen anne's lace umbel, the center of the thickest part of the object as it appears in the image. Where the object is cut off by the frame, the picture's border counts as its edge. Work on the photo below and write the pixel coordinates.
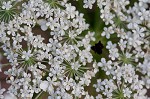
(58, 65)
(61, 63)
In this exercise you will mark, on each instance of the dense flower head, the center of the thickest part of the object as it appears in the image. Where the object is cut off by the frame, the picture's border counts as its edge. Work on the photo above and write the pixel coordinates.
(48, 45)
(64, 57)
(130, 55)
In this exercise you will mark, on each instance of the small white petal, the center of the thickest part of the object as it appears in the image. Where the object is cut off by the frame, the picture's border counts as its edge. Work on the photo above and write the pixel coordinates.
(44, 85)
(44, 27)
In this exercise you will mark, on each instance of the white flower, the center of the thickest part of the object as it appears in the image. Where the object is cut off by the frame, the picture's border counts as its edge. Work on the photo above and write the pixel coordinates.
(68, 83)
(112, 50)
(44, 85)
(43, 25)
(127, 92)
(107, 32)
(88, 3)
(78, 90)
(7, 5)
(26, 55)
(70, 10)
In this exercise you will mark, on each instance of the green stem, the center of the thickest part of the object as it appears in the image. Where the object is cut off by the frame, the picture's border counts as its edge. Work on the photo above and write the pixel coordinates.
(38, 95)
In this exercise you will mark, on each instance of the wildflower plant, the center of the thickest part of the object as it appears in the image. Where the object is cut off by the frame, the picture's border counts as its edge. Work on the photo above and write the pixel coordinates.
(48, 45)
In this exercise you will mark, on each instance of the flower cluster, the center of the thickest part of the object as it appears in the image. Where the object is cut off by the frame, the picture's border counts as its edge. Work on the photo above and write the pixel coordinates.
(59, 65)
(110, 9)
(48, 46)
(129, 57)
